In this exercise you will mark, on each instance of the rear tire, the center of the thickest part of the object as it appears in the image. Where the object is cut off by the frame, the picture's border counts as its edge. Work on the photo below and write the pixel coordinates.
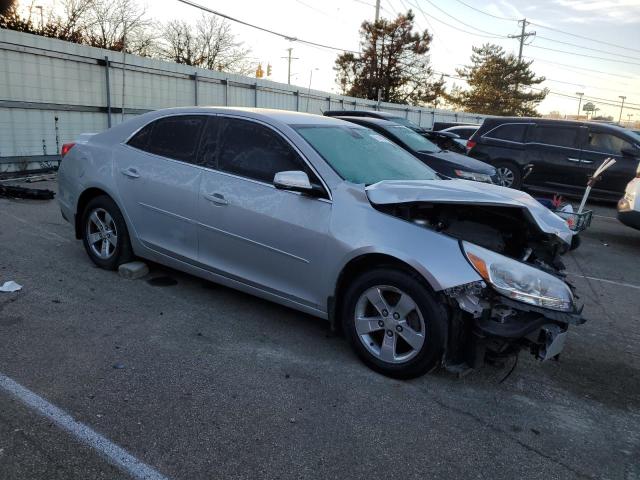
(509, 175)
(403, 334)
(104, 234)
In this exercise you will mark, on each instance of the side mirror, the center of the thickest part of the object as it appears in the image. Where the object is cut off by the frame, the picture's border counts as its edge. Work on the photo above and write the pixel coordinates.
(296, 181)
(630, 152)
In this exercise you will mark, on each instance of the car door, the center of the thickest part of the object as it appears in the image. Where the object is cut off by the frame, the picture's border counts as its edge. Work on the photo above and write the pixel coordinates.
(158, 183)
(555, 155)
(600, 144)
(249, 230)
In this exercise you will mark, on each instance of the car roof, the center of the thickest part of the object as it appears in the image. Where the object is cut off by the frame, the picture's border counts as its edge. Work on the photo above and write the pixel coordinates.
(284, 116)
(361, 114)
(461, 127)
(494, 121)
(369, 120)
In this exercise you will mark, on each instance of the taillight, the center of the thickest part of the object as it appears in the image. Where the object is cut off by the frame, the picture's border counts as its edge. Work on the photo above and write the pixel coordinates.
(65, 148)
(470, 144)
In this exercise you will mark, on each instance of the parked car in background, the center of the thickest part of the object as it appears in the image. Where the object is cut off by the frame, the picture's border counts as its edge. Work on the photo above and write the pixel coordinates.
(629, 204)
(564, 154)
(464, 133)
(332, 219)
(449, 164)
(444, 140)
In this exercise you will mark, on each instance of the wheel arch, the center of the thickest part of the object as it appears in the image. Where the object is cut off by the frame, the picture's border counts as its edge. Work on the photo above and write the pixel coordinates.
(360, 264)
(85, 197)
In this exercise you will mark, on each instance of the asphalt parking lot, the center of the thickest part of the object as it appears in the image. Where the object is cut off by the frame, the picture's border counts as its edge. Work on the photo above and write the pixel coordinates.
(198, 381)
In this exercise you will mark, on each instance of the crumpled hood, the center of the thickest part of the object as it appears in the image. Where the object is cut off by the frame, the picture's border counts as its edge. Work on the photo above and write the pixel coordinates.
(467, 192)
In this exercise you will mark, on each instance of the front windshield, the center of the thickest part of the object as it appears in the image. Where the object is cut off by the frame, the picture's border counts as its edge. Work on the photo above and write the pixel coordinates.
(413, 140)
(360, 155)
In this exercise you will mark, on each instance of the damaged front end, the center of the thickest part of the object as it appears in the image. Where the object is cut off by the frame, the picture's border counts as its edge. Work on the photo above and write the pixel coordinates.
(515, 245)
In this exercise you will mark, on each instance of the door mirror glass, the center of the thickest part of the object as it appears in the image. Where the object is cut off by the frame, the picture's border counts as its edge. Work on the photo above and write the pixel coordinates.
(294, 180)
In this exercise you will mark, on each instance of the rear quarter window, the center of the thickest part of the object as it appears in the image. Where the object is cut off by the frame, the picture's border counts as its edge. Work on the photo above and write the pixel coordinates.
(511, 132)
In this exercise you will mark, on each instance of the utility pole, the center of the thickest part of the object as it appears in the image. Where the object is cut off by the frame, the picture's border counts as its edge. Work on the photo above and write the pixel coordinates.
(523, 36)
(289, 58)
(621, 107)
(375, 57)
(580, 94)
(124, 61)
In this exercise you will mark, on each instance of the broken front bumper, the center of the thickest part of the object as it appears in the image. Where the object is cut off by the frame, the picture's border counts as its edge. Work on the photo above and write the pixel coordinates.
(500, 323)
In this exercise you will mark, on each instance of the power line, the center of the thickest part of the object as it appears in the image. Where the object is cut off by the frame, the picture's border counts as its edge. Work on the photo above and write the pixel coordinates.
(587, 48)
(580, 68)
(486, 13)
(417, 5)
(282, 35)
(458, 20)
(585, 38)
(596, 99)
(581, 54)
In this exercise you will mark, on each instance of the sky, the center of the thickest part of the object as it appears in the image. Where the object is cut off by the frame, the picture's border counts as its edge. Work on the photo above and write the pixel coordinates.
(607, 29)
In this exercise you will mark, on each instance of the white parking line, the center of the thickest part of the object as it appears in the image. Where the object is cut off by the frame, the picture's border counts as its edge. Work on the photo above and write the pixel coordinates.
(621, 284)
(113, 453)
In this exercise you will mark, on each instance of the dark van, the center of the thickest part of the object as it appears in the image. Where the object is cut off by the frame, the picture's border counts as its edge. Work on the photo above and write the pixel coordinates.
(563, 154)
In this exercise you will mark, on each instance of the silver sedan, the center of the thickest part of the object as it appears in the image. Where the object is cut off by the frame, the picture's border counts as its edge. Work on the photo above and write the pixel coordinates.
(331, 219)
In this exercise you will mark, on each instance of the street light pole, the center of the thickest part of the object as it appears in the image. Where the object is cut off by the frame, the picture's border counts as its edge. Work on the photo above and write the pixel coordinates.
(580, 94)
(621, 107)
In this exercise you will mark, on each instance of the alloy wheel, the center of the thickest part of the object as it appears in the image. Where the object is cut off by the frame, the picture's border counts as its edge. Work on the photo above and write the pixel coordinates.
(389, 324)
(505, 176)
(102, 233)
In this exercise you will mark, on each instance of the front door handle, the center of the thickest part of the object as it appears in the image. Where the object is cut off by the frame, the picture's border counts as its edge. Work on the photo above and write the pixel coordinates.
(130, 172)
(574, 160)
(216, 198)
(587, 161)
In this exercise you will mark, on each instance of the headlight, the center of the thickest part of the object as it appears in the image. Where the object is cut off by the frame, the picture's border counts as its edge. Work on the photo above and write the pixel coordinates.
(478, 177)
(518, 281)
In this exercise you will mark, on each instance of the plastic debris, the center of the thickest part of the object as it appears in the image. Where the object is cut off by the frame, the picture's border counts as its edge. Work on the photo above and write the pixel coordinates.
(10, 286)
(28, 193)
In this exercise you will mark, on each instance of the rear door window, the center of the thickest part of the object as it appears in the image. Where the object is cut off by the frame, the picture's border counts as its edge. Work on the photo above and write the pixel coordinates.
(176, 137)
(554, 135)
(254, 151)
(512, 132)
(606, 143)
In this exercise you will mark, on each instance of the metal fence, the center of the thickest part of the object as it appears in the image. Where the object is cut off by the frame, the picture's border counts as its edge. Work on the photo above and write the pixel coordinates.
(51, 90)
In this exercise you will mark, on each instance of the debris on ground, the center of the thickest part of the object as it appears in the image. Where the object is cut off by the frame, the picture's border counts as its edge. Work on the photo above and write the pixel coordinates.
(27, 193)
(10, 286)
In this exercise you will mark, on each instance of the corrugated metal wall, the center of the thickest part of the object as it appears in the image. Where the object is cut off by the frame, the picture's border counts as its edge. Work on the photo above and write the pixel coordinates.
(50, 91)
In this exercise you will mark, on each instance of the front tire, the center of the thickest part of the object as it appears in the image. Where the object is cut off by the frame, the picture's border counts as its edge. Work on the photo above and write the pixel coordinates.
(104, 234)
(394, 323)
(509, 175)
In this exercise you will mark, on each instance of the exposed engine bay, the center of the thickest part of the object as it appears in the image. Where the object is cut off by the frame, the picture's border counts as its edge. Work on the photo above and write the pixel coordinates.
(487, 325)
(504, 229)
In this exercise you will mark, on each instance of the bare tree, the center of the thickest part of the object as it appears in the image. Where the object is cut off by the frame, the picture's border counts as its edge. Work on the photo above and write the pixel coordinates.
(118, 25)
(209, 43)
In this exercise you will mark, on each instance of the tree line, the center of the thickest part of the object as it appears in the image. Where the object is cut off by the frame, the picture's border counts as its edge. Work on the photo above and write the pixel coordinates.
(124, 25)
(393, 64)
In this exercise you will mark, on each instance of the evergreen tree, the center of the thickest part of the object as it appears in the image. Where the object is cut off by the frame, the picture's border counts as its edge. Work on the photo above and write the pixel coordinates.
(498, 84)
(394, 61)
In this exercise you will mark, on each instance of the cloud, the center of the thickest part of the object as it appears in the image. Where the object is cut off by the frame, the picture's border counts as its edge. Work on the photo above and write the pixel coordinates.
(589, 11)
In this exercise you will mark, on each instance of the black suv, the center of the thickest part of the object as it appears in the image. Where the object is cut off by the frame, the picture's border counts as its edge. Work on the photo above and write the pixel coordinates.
(563, 154)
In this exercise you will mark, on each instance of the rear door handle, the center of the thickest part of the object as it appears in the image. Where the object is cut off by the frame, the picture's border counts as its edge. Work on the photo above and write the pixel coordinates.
(587, 161)
(130, 172)
(574, 160)
(216, 198)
